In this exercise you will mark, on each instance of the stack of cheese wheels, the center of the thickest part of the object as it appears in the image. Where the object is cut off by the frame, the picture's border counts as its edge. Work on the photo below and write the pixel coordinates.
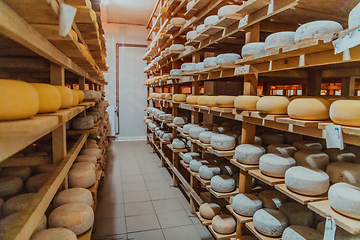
(228, 10)
(196, 164)
(226, 59)
(210, 62)
(223, 224)
(175, 72)
(49, 97)
(297, 214)
(249, 153)
(83, 123)
(199, 28)
(273, 105)
(280, 39)
(275, 165)
(21, 172)
(210, 101)
(309, 109)
(312, 159)
(24, 100)
(6, 224)
(17, 203)
(195, 132)
(222, 183)
(272, 138)
(66, 96)
(308, 145)
(73, 195)
(192, 99)
(81, 177)
(209, 210)
(76, 216)
(34, 183)
(178, 144)
(344, 172)
(86, 158)
(316, 29)
(272, 199)
(10, 186)
(252, 48)
(246, 204)
(92, 151)
(222, 142)
(209, 171)
(246, 103)
(270, 222)
(295, 232)
(225, 101)
(210, 20)
(179, 98)
(282, 148)
(201, 100)
(337, 155)
(75, 101)
(306, 181)
(346, 112)
(54, 234)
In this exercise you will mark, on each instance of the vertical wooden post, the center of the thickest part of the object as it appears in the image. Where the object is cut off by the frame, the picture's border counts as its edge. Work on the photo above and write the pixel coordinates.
(81, 83)
(91, 86)
(314, 83)
(175, 156)
(176, 161)
(57, 75)
(352, 86)
(345, 87)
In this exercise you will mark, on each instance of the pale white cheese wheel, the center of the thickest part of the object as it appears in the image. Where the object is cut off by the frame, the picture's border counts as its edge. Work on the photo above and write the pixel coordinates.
(84, 165)
(199, 28)
(252, 48)
(280, 39)
(208, 171)
(282, 149)
(249, 153)
(297, 214)
(222, 183)
(21, 172)
(86, 158)
(175, 72)
(272, 199)
(210, 20)
(275, 165)
(345, 199)
(312, 159)
(225, 101)
(168, 96)
(167, 51)
(91, 151)
(81, 177)
(179, 98)
(228, 10)
(273, 105)
(188, 67)
(270, 222)
(210, 62)
(309, 109)
(17, 203)
(191, 35)
(205, 137)
(196, 164)
(190, 5)
(344, 172)
(195, 132)
(246, 204)
(89, 94)
(316, 29)
(210, 101)
(7, 223)
(222, 142)
(247, 103)
(178, 144)
(34, 183)
(73, 195)
(10, 186)
(177, 47)
(337, 155)
(189, 156)
(179, 121)
(308, 145)
(272, 138)
(298, 232)
(200, 66)
(201, 100)
(227, 59)
(178, 21)
(192, 99)
(306, 181)
(209, 210)
(54, 234)
(228, 168)
(167, 137)
(187, 127)
(346, 112)
(77, 217)
(82, 123)
(354, 17)
(168, 117)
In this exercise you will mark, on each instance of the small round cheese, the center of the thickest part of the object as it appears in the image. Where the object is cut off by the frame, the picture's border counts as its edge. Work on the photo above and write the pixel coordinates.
(177, 47)
(199, 28)
(7, 223)
(75, 98)
(201, 100)
(195, 132)
(282, 149)
(222, 183)
(66, 96)
(188, 67)
(227, 59)
(89, 94)
(179, 121)
(187, 127)
(86, 158)
(21, 172)
(190, 5)
(316, 29)
(306, 181)
(273, 105)
(222, 142)
(272, 138)
(272, 199)
(270, 222)
(205, 137)
(210, 62)
(309, 109)
(175, 72)
(167, 137)
(246, 103)
(298, 232)
(228, 10)
(178, 21)
(77, 217)
(228, 168)
(252, 48)
(225, 101)
(308, 145)
(34, 183)
(80, 95)
(196, 164)
(211, 20)
(346, 112)
(73, 195)
(312, 159)
(279, 39)
(192, 99)
(297, 214)
(246, 204)
(208, 171)
(81, 177)
(179, 98)
(49, 97)
(84, 165)
(275, 165)
(10, 186)
(82, 123)
(337, 155)
(223, 224)
(191, 35)
(210, 101)
(54, 234)
(188, 157)
(200, 66)
(178, 144)
(249, 153)
(209, 210)
(17, 203)
(344, 172)
(91, 151)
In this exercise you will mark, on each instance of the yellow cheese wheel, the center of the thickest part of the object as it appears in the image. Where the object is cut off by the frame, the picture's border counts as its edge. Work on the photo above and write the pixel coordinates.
(201, 100)
(246, 103)
(309, 109)
(210, 101)
(49, 97)
(75, 98)
(179, 97)
(192, 99)
(18, 100)
(81, 95)
(273, 105)
(66, 96)
(225, 101)
(346, 112)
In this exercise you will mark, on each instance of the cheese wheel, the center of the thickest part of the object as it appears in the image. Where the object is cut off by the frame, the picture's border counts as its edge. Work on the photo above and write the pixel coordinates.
(188, 67)
(54, 234)
(177, 47)
(84, 165)
(316, 29)
(208, 171)
(223, 224)
(309, 109)
(7, 223)
(190, 5)
(228, 10)
(168, 96)
(209, 210)
(337, 155)
(188, 157)
(167, 137)
(179, 121)
(228, 168)
(312, 159)
(252, 48)
(211, 20)
(210, 101)
(10, 186)
(297, 214)
(196, 164)
(82, 123)
(234, 134)
(92, 151)
(221, 129)
(282, 149)
(272, 138)
(95, 115)
(91, 141)
(308, 145)
(89, 94)
(200, 66)
(49, 97)
(345, 199)
(227, 59)
(249, 153)
(298, 232)
(178, 21)
(201, 100)
(346, 112)
(344, 172)
(222, 183)
(205, 137)
(273, 105)
(34, 183)
(210, 62)
(179, 98)
(246, 204)
(73, 195)
(247, 103)
(222, 142)
(18, 100)
(21, 172)
(178, 144)
(195, 132)
(272, 199)
(192, 99)
(279, 39)
(77, 217)
(354, 19)
(81, 177)
(199, 28)
(175, 72)
(225, 101)
(270, 222)
(17, 203)
(306, 181)
(80, 95)
(66, 96)
(275, 165)
(187, 127)
(75, 101)
(92, 145)
(86, 158)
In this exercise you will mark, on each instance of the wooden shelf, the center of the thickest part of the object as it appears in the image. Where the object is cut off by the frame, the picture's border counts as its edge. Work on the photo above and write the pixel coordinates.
(204, 221)
(298, 197)
(272, 181)
(184, 164)
(203, 145)
(223, 195)
(203, 182)
(250, 226)
(244, 167)
(221, 153)
(176, 150)
(241, 219)
(219, 236)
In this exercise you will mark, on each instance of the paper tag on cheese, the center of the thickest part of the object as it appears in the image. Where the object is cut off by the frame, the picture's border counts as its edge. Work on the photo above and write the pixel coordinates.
(349, 41)
(163, 103)
(67, 15)
(330, 228)
(334, 137)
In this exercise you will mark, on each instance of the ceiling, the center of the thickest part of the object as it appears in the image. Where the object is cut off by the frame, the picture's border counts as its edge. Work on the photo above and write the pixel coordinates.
(129, 11)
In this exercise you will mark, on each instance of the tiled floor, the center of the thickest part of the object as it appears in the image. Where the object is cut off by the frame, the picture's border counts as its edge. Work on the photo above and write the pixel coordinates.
(136, 200)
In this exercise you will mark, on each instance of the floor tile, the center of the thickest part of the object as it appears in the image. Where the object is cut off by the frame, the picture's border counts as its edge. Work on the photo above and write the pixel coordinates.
(167, 205)
(173, 219)
(157, 185)
(110, 199)
(147, 235)
(112, 237)
(132, 197)
(134, 187)
(165, 193)
(131, 171)
(142, 223)
(111, 226)
(140, 208)
(132, 179)
(110, 211)
(182, 233)
(153, 177)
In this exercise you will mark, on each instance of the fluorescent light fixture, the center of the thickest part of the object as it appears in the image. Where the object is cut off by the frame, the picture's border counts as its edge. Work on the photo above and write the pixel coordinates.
(105, 2)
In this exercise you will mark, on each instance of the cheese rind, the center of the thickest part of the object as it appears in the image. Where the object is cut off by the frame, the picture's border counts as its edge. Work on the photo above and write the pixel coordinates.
(75, 101)
(73, 195)
(17, 203)
(177, 47)
(273, 105)
(279, 39)
(191, 35)
(228, 10)
(222, 183)
(246, 103)
(208, 171)
(272, 138)
(210, 101)
(249, 153)
(344, 172)
(270, 222)
(54, 234)
(210, 62)
(316, 29)
(272, 199)
(282, 149)
(297, 214)
(86, 158)
(188, 67)
(34, 183)
(298, 232)
(337, 155)
(82, 123)
(200, 27)
(178, 21)
(66, 96)
(309, 109)
(312, 159)
(196, 164)
(189, 156)
(92, 151)
(225, 101)
(205, 137)
(10, 186)
(84, 165)
(210, 20)
(275, 165)
(222, 142)
(227, 59)
(81, 177)
(209, 210)
(224, 224)
(49, 97)
(346, 112)
(175, 72)
(246, 204)
(81, 95)
(7, 223)
(195, 132)
(21, 172)
(308, 145)
(179, 98)
(252, 48)
(192, 99)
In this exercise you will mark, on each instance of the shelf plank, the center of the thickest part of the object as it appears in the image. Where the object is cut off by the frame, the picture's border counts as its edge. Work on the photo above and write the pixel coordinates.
(240, 218)
(184, 164)
(250, 226)
(203, 145)
(345, 129)
(203, 182)
(244, 167)
(219, 236)
(251, 6)
(298, 197)
(222, 195)
(204, 221)
(300, 123)
(272, 181)
(26, 161)
(176, 150)
(221, 153)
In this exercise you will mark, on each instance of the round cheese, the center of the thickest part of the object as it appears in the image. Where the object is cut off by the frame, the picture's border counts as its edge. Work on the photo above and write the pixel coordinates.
(337, 155)
(24, 100)
(21, 172)
(309, 109)
(187, 127)
(205, 137)
(177, 47)
(210, 101)
(346, 112)
(179, 98)
(179, 121)
(272, 138)
(312, 159)
(282, 149)
(354, 19)
(10, 186)
(49, 97)
(91, 151)
(81, 177)
(195, 132)
(196, 164)
(7, 223)
(167, 137)
(17, 203)
(308, 145)
(279, 39)
(227, 59)
(86, 158)
(201, 100)
(228, 10)
(89, 94)
(95, 115)
(222, 183)
(316, 29)
(168, 96)
(340, 233)
(77, 217)
(75, 101)
(344, 172)
(298, 232)
(246, 103)
(208, 171)
(80, 95)
(228, 169)
(275, 165)
(270, 222)
(92, 145)
(34, 183)
(192, 99)
(306, 181)
(211, 20)
(70, 195)
(199, 28)
(175, 72)
(178, 144)
(224, 224)
(209, 210)
(188, 157)
(46, 168)
(190, 5)
(246, 204)
(222, 142)
(178, 21)
(200, 66)
(297, 214)
(210, 62)
(249, 153)
(191, 35)
(345, 199)
(82, 123)
(66, 96)
(272, 199)
(252, 48)
(225, 101)
(84, 165)
(273, 105)
(188, 67)
(54, 234)
(234, 134)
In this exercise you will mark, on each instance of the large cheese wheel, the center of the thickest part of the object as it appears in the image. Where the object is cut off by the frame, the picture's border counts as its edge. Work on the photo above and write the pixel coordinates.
(190, 5)
(178, 144)
(208, 171)
(188, 157)
(17, 203)
(205, 137)
(34, 183)
(191, 35)
(228, 168)
(75, 101)
(298, 232)
(223, 224)
(49, 97)
(209, 210)
(252, 48)
(270, 222)
(316, 29)
(199, 28)
(346, 112)
(77, 217)
(312, 159)
(21, 172)
(66, 96)
(246, 204)
(273, 105)
(210, 20)
(210, 101)
(89, 94)
(200, 66)
(175, 72)
(73, 195)
(92, 151)
(210, 62)
(247, 103)
(282, 148)
(354, 19)
(84, 165)
(177, 47)
(187, 127)
(272, 138)
(228, 10)
(227, 59)
(80, 95)
(344, 172)
(18, 100)
(272, 199)
(201, 100)
(345, 199)
(10, 186)
(179, 98)
(167, 137)
(81, 177)
(279, 39)
(308, 145)
(86, 158)
(337, 155)
(192, 99)
(309, 109)
(306, 181)
(168, 96)
(178, 21)
(297, 214)
(54, 234)
(222, 183)
(222, 142)
(82, 123)
(188, 67)
(249, 153)
(7, 223)
(196, 164)
(275, 165)
(94, 115)
(225, 101)
(195, 132)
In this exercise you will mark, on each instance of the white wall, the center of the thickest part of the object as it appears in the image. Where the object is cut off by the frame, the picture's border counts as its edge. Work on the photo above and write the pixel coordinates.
(132, 78)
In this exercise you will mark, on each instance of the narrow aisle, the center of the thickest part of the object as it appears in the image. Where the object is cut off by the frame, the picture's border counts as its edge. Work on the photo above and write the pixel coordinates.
(136, 199)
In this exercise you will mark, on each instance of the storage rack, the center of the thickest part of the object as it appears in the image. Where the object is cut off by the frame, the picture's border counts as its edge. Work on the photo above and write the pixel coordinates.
(31, 50)
(311, 67)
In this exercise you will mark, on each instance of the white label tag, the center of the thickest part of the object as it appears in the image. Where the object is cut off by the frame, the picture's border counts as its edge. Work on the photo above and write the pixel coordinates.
(163, 103)
(162, 125)
(330, 228)
(349, 41)
(67, 15)
(334, 138)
